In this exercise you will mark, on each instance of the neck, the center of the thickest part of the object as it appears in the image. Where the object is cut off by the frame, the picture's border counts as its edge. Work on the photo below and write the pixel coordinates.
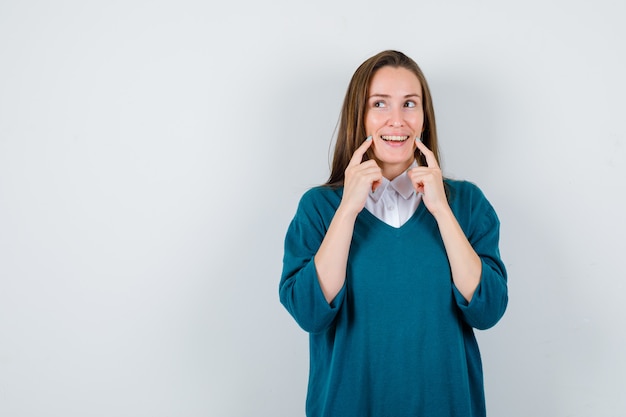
(391, 171)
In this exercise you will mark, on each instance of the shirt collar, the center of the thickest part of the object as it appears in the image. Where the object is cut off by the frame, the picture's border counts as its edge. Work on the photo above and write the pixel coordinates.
(402, 184)
(380, 190)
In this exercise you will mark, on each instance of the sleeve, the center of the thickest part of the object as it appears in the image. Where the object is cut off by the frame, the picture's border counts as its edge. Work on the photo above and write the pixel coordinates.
(490, 299)
(299, 287)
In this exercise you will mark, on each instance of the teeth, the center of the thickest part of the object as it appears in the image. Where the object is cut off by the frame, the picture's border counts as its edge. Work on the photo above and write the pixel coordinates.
(395, 138)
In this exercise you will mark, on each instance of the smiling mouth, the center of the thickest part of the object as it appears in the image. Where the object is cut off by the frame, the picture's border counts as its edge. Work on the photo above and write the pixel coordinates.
(394, 138)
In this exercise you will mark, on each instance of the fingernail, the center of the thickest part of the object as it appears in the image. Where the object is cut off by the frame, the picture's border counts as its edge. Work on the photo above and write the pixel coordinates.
(368, 138)
(418, 139)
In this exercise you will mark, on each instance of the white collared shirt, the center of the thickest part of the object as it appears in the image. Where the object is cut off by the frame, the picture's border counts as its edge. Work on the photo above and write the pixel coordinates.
(394, 202)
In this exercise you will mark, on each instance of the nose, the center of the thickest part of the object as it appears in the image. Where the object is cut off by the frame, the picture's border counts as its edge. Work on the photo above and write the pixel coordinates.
(395, 119)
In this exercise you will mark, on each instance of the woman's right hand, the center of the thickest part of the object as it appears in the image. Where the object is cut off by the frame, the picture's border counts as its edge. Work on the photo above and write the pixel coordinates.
(360, 178)
(331, 259)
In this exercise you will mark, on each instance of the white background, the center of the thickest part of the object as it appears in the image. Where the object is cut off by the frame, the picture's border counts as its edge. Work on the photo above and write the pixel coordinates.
(152, 155)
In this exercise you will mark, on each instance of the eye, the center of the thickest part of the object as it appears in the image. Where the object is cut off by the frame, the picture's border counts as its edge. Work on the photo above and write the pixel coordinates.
(379, 104)
(410, 104)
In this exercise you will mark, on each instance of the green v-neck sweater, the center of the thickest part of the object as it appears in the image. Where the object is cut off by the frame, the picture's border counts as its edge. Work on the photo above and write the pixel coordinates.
(398, 339)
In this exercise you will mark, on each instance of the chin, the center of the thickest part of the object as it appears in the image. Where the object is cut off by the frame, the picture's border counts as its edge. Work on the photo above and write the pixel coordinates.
(385, 158)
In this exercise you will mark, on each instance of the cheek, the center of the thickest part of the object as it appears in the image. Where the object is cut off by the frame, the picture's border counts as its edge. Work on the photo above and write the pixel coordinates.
(373, 122)
(418, 121)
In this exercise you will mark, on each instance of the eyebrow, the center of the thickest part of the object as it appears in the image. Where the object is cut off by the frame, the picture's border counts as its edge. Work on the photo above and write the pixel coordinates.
(388, 96)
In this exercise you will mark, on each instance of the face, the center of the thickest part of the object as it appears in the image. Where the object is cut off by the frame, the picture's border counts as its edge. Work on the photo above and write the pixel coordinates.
(394, 118)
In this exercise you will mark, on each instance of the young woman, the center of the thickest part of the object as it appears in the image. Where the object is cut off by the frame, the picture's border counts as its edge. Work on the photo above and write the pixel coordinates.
(389, 266)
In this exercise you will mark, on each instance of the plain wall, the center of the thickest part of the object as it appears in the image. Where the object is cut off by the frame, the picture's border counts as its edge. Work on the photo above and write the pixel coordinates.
(153, 153)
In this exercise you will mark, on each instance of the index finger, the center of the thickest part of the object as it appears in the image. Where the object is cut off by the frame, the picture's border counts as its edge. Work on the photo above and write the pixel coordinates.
(357, 156)
(431, 161)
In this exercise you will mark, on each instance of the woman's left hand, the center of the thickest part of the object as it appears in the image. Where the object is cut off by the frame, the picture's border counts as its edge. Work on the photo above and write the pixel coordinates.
(465, 264)
(428, 180)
